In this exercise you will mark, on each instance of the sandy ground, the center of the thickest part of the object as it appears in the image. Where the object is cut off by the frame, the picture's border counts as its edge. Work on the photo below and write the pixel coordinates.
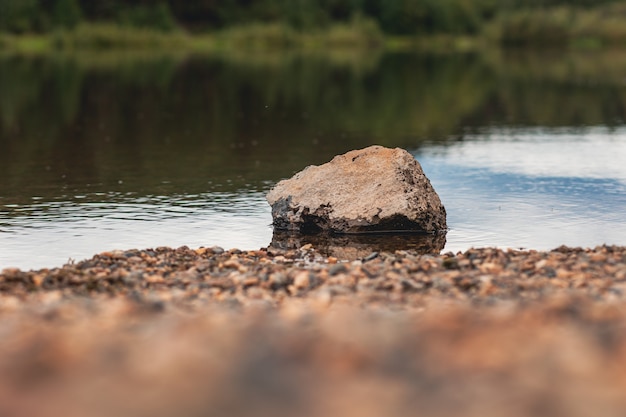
(208, 332)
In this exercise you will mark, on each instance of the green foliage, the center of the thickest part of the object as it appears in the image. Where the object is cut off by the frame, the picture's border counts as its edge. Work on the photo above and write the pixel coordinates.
(259, 36)
(67, 14)
(101, 9)
(539, 4)
(602, 26)
(157, 16)
(430, 16)
(534, 27)
(107, 36)
(359, 32)
(510, 22)
(22, 16)
(561, 26)
(18, 16)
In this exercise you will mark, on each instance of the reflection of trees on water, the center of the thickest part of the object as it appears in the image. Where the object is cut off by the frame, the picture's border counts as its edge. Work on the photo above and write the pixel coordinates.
(143, 120)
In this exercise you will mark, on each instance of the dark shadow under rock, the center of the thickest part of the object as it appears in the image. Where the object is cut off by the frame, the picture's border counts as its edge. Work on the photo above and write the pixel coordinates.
(359, 246)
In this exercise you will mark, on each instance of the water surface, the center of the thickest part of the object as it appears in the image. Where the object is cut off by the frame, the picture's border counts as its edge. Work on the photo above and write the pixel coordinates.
(115, 152)
(532, 188)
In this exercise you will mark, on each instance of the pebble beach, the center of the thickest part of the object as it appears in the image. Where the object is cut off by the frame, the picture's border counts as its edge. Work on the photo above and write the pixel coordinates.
(208, 331)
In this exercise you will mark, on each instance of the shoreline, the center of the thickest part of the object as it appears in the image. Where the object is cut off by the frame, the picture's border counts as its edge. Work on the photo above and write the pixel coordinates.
(407, 271)
(358, 35)
(486, 332)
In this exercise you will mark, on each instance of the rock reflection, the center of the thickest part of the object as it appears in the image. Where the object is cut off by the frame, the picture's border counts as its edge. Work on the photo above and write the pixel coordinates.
(358, 246)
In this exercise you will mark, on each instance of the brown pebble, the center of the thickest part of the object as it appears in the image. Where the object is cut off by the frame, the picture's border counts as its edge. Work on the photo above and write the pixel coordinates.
(154, 279)
(302, 280)
(248, 282)
(38, 279)
(598, 257)
(278, 279)
(10, 271)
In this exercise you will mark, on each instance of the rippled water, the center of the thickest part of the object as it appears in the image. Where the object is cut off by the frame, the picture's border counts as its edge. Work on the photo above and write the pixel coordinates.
(118, 160)
(531, 188)
(47, 234)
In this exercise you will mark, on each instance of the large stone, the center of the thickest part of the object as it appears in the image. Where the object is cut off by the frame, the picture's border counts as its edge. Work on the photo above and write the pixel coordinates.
(375, 189)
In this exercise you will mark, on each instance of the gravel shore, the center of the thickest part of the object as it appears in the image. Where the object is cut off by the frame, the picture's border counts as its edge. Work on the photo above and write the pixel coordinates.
(196, 332)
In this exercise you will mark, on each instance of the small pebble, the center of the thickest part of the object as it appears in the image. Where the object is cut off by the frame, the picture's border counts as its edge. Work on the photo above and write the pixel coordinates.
(302, 280)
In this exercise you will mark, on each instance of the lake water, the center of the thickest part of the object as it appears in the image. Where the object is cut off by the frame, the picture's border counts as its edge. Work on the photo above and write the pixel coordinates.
(110, 152)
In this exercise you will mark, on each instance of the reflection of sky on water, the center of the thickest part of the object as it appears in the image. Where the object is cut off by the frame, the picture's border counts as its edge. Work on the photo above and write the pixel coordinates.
(533, 188)
(48, 235)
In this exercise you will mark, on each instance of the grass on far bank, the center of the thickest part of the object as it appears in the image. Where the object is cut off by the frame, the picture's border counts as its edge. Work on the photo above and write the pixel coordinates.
(570, 27)
(104, 36)
(561, 26)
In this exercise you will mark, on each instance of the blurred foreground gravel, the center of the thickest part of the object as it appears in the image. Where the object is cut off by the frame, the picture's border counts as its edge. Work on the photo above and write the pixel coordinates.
(208, 332)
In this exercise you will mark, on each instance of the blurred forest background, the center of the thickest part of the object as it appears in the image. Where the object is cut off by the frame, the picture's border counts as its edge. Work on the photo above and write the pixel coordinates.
(511, 22)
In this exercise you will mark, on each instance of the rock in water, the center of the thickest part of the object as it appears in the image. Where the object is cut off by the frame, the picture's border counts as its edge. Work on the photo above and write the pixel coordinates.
(375, 189)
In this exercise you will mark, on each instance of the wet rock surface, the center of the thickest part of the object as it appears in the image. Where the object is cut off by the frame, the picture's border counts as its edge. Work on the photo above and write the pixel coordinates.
(357, 246)
(368, 190)
(208, 331)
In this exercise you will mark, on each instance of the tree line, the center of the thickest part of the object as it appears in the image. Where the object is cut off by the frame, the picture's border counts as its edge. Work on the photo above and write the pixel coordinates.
(402, 17)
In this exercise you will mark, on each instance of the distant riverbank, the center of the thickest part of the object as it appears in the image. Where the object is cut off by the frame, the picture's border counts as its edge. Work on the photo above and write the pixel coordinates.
(557, 27)
(99, 36)
(360, 35)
